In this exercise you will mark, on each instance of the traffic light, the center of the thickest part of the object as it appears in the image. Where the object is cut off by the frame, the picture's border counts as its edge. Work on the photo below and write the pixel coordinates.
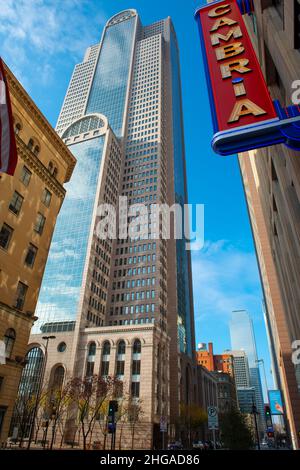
(267, 411)
(270, 433)
(112, 407)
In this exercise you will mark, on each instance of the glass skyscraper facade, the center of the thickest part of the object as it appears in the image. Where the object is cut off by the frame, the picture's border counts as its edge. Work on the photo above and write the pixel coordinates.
(242, 338)
(62, 283)
(112, 73)
(122, 119)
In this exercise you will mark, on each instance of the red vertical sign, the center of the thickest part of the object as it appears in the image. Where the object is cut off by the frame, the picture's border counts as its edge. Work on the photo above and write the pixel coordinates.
(239, 94)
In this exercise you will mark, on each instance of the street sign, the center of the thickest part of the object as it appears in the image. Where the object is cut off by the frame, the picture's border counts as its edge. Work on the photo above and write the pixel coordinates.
(163, 424)
(213, 419)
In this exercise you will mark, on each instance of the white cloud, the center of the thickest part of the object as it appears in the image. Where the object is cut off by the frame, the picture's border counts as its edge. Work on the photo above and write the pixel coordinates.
(65, 253)
(225, 279)
(32, 32)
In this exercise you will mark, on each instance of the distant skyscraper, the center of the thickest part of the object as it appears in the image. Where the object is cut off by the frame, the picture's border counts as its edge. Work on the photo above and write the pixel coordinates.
(245, 393)
(122, 119)
(242, 338)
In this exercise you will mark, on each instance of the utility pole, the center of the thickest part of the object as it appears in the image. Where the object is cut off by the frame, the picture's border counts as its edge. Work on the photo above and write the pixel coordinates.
(255, 413)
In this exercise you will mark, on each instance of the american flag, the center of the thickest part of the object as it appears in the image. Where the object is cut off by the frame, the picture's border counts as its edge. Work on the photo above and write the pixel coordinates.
(8, 148)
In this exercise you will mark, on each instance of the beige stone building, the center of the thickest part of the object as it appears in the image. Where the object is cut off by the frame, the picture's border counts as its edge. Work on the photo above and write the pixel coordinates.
(271, 179)
(135, 355)
(30, 203)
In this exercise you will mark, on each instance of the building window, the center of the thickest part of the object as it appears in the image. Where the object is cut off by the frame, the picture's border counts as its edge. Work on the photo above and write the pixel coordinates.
(91, 359)
(297, 24)
(29, 386)
(18, 128)
(31, 255)
(137, 347)
(20, 296)
(135, 389)
(2, 415)
(16, 203)
(25, 176)
(61, 347)
(46, 198)
(30, 144)
(105, 359)
(39, 224)
(5, 236)
(120, 366)
(136, 369)
(58, 377)
(9, 341)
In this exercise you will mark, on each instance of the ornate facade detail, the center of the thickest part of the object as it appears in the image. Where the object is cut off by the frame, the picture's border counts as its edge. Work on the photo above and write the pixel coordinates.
(39, 169)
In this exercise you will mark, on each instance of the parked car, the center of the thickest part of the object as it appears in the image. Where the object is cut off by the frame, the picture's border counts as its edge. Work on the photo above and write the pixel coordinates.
(175, 445)
(198, 445)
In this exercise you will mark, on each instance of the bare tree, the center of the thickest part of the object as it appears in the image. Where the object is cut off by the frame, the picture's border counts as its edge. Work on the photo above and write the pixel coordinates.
(134, 412)
(23, 414)
(59, 401)
(89, 395)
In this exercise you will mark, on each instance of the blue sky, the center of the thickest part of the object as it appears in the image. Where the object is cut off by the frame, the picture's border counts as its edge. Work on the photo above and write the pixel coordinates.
(42, 40)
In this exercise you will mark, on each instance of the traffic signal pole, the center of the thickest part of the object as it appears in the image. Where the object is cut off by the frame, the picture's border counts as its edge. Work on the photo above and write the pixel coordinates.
(254, 411)
(112, 409)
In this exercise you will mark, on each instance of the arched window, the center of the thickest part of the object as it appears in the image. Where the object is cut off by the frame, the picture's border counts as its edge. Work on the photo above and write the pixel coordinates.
(105, 359)
(121, 347)
(136, 369)
(106, 348)
(58, 377)
(91, 359)
(120, 366)
(50, 167)
(29, 386)
(9, 341)
(137, 347)
(30, 144)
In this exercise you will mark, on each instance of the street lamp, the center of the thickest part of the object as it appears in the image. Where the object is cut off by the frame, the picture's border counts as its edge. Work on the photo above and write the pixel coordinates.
(47, 338)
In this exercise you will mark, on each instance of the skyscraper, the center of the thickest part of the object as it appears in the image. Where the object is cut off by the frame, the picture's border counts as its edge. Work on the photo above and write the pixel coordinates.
(122, 119)
(242, 338)
(245, 393)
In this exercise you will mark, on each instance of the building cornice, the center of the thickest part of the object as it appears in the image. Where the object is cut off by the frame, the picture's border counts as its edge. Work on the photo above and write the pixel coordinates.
(124, 329)
(22, 96)
(39, 168)
(29, 317)
(120, 329)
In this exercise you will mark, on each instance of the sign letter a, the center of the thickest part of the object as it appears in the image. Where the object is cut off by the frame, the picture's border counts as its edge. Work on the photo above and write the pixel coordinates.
(243, 108)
